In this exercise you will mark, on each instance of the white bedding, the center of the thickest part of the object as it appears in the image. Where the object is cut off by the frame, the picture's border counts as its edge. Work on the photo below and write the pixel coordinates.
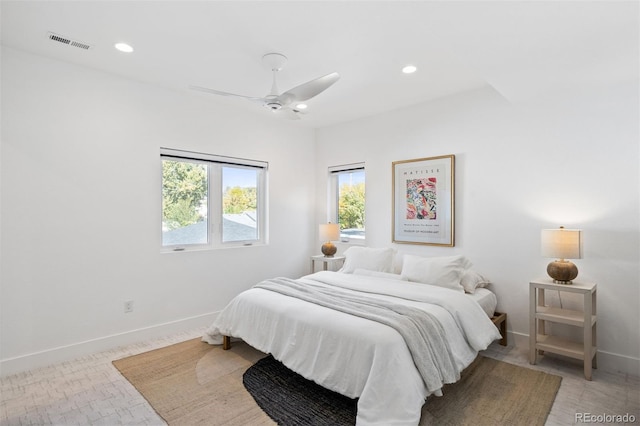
(354, 356)
(486, 299)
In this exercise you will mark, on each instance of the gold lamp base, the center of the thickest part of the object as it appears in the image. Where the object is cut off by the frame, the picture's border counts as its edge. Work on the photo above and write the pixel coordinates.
(329, 249)
(562, 271)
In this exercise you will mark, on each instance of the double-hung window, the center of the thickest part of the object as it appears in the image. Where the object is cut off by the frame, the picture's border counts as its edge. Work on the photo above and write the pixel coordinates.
(347, 201)
(212, 201)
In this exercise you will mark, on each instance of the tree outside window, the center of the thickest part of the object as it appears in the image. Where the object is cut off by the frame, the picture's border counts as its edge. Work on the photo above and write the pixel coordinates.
(184, 193)
(211, 201)
(350, 207)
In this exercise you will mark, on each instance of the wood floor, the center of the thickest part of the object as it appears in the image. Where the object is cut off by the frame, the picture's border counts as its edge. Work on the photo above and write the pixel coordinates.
(90, 391)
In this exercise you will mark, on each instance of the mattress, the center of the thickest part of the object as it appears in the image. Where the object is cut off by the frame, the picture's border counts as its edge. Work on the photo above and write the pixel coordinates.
(486, 299)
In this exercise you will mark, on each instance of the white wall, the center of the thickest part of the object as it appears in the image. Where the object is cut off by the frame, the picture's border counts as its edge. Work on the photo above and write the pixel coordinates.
(81, 209)
(80, 201)
(567, 159)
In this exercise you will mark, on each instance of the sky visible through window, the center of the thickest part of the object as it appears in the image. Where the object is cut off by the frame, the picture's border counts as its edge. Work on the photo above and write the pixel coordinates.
(238, 176)
(352, 178)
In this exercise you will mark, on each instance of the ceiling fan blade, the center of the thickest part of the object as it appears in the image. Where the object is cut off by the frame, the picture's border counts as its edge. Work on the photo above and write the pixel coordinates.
(217, 92)
(309, 89)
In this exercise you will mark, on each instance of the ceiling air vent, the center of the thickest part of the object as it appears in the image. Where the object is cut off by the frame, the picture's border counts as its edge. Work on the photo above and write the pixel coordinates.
(68, 41)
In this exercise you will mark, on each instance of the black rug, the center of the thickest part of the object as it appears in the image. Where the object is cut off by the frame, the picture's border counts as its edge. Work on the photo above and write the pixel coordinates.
(290, 399)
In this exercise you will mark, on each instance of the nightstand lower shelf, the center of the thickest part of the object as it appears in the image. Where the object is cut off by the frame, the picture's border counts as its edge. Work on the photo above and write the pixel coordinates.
(560, 346)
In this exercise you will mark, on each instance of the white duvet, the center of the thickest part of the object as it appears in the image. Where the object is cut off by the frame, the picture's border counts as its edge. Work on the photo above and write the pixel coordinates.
(354, 356)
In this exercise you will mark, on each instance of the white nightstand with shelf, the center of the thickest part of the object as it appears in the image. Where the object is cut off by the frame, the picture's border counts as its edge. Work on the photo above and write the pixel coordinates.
(539, 314)
(326, 261)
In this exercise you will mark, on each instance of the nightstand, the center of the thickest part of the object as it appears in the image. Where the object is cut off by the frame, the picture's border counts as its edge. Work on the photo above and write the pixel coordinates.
(539, 314)
(326, 261)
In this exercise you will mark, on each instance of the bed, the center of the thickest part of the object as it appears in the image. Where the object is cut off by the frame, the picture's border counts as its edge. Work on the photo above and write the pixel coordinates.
(355, 355)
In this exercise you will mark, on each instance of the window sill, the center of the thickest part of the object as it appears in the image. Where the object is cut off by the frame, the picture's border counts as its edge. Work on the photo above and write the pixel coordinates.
(354, 242)
(165, 250)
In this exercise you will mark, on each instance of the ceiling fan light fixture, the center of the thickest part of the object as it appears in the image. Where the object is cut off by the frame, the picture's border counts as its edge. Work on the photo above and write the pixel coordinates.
(409, 69)
(301, 106)
(123, 47)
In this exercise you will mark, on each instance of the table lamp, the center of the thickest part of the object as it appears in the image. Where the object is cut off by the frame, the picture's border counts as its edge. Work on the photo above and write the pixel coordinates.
(329, 232)
(562, 244)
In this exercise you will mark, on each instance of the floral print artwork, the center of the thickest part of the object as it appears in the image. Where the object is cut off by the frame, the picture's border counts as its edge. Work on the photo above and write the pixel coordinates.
(421, 198)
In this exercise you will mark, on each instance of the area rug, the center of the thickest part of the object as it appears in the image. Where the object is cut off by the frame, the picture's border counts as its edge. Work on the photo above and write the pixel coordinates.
(490, 392)
(290, 399)
(195, 383)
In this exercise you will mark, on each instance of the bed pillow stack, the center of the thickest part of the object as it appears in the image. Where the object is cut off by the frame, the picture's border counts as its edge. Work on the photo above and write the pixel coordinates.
(366, 258)
(444, 271)
(472, 280)
(447, 271)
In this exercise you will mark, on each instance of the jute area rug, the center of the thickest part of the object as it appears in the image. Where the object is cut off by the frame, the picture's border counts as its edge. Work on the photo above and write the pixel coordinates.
(193, 383)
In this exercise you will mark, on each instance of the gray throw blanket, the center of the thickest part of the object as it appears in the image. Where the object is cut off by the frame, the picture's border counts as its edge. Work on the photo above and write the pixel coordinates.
(422, 332)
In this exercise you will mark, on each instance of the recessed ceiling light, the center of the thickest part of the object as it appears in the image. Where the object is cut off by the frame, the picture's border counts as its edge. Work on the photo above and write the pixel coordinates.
(409, 69)
(301, 106)
(124, 47)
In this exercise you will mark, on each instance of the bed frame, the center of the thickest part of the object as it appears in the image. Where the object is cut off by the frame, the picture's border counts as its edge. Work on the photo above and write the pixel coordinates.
(500, 321)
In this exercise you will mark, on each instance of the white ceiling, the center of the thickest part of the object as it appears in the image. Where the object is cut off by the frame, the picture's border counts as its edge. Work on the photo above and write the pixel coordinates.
(519, 48)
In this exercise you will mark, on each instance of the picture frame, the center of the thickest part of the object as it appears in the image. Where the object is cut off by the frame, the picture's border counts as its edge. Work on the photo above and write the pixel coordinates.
(423, 201)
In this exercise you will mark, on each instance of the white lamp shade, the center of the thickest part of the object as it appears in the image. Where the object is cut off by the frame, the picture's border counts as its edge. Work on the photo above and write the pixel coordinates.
(329, 232)
(561, 243)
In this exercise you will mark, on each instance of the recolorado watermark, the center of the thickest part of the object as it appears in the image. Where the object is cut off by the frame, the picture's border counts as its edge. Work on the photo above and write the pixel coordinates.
(605, 418)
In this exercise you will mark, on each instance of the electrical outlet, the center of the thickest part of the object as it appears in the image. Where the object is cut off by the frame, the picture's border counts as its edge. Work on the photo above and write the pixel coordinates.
(128, 306)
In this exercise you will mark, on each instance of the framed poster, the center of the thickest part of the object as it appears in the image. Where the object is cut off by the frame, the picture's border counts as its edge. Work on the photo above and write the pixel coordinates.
(423, 201)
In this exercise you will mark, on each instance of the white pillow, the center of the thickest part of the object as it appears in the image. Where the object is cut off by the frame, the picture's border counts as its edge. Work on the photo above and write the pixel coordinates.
(372, 259)
(369, 273)
(440, 271)
(471, 280)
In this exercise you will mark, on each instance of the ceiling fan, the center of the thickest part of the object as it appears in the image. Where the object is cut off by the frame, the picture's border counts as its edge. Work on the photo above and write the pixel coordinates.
(285, 103)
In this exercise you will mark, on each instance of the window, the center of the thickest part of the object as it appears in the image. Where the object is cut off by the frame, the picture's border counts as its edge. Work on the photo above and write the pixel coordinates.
(211, 201)
(347, 201)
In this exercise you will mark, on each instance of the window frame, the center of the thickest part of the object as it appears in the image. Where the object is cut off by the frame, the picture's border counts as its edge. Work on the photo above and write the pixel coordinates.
(334, 197)
(215, 191)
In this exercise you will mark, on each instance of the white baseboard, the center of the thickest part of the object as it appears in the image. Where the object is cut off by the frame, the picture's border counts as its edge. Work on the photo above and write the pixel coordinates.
(607, 361)
(75, 350)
